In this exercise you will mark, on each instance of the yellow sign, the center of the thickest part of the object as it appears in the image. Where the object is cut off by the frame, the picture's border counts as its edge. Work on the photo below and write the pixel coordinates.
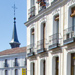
(23, 71)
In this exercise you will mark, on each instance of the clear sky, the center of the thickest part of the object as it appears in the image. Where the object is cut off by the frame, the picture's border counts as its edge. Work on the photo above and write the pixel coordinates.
(6, 22)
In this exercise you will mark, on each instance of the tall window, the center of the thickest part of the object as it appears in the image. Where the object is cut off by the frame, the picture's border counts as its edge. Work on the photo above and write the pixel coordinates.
(57, 23)
(16, 62)
(32, 3)
(44, 67)
(43, 37)
(32, 37)
(73, 17)
(6, 72)
(6, 65)
(57, 66)
(16, 72)
(32, 69)
(73, 64)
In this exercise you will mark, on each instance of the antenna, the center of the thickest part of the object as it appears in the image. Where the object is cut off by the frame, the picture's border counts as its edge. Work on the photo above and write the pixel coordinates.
(14, 7)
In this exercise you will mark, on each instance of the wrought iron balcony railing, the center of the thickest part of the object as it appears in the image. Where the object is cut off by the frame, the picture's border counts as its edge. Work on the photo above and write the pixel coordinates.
(69, 35)
(31, 12)
(5, 64)
(54, 41)
(42, 6)
(41, 46)
(30, 50)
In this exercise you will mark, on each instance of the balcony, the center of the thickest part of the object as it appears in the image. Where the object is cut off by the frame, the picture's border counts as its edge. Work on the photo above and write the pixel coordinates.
(54, 41)
(5, 64)
(42, 6)
(16, 64)
(31, 12)
(30, 50)
(69, 35)
(41, 46)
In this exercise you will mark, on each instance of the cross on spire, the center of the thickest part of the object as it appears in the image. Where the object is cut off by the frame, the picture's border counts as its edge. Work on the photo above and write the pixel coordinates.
(14, 7)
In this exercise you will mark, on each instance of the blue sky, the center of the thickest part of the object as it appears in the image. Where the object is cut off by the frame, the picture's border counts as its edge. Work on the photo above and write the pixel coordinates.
(6, 22)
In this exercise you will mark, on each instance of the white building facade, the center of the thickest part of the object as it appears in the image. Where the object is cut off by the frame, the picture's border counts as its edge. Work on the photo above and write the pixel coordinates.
(50, 37)
(12, 61)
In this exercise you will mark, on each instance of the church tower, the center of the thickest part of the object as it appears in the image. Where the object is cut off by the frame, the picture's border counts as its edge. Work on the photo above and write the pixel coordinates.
(14, 42)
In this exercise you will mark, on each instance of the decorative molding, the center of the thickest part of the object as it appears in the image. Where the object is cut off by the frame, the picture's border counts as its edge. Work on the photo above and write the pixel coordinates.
(56, 11)
(32, 25)
(71, 3)
(43, 19)
(32, 58)
(45, 54)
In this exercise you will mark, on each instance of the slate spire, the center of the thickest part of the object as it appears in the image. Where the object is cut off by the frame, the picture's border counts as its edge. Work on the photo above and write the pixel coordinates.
(14, 42)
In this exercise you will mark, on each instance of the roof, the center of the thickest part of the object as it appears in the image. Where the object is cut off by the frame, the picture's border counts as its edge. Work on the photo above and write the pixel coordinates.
(13, 51)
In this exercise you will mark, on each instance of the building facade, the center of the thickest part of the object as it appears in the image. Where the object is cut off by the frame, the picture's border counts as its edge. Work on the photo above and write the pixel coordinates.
(50, 37)
(13, 61)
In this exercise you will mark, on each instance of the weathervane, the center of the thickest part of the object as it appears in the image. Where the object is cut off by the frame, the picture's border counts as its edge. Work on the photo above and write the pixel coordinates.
(14, 7)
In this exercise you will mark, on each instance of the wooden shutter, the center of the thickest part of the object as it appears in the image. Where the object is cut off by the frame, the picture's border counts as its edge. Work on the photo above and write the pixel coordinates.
(72, 11)
(57, 18)
(57, 65)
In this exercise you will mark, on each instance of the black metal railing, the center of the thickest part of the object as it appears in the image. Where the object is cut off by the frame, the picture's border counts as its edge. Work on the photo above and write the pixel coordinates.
(41, 44)
(54, 40)
(69, 34)
(31, 12)
(30, 49)
(5, 64)
(16, 64)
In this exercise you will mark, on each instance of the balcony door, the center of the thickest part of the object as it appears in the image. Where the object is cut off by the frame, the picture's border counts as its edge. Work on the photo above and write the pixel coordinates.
(43, 67)
(73, 23)
(44, 29)
(73, 64)
(32, 38)
(32, 69)
(57, 66)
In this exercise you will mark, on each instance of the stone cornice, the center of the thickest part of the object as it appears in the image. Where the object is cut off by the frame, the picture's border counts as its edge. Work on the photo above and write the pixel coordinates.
(43, 13)
(13, 55)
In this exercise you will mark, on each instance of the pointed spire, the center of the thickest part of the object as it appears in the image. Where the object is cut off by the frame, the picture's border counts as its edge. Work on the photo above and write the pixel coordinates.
(14, 42)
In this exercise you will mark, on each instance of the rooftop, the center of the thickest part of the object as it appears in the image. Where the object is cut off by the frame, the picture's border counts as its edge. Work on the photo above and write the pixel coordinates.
(13, 51)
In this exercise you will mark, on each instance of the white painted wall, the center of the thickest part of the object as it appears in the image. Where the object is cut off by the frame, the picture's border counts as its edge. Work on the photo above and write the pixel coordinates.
(65, 21)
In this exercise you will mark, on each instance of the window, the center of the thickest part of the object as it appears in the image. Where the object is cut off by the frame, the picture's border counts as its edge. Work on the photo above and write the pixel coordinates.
(16, 72)
(16, 62)
(57, 23)
(25, 61)
(32, 3)
(73, 64)
(32, 69)
(57, 66)
(6, 65)
(6, 72)
(44, 67)
(32, 37)
(43, 36)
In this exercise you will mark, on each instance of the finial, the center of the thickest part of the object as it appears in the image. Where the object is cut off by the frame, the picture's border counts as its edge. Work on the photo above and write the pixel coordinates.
(14, 7)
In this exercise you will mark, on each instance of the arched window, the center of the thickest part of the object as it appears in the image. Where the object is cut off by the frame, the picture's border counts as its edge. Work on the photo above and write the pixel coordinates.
(16, 72)
(6, 72)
